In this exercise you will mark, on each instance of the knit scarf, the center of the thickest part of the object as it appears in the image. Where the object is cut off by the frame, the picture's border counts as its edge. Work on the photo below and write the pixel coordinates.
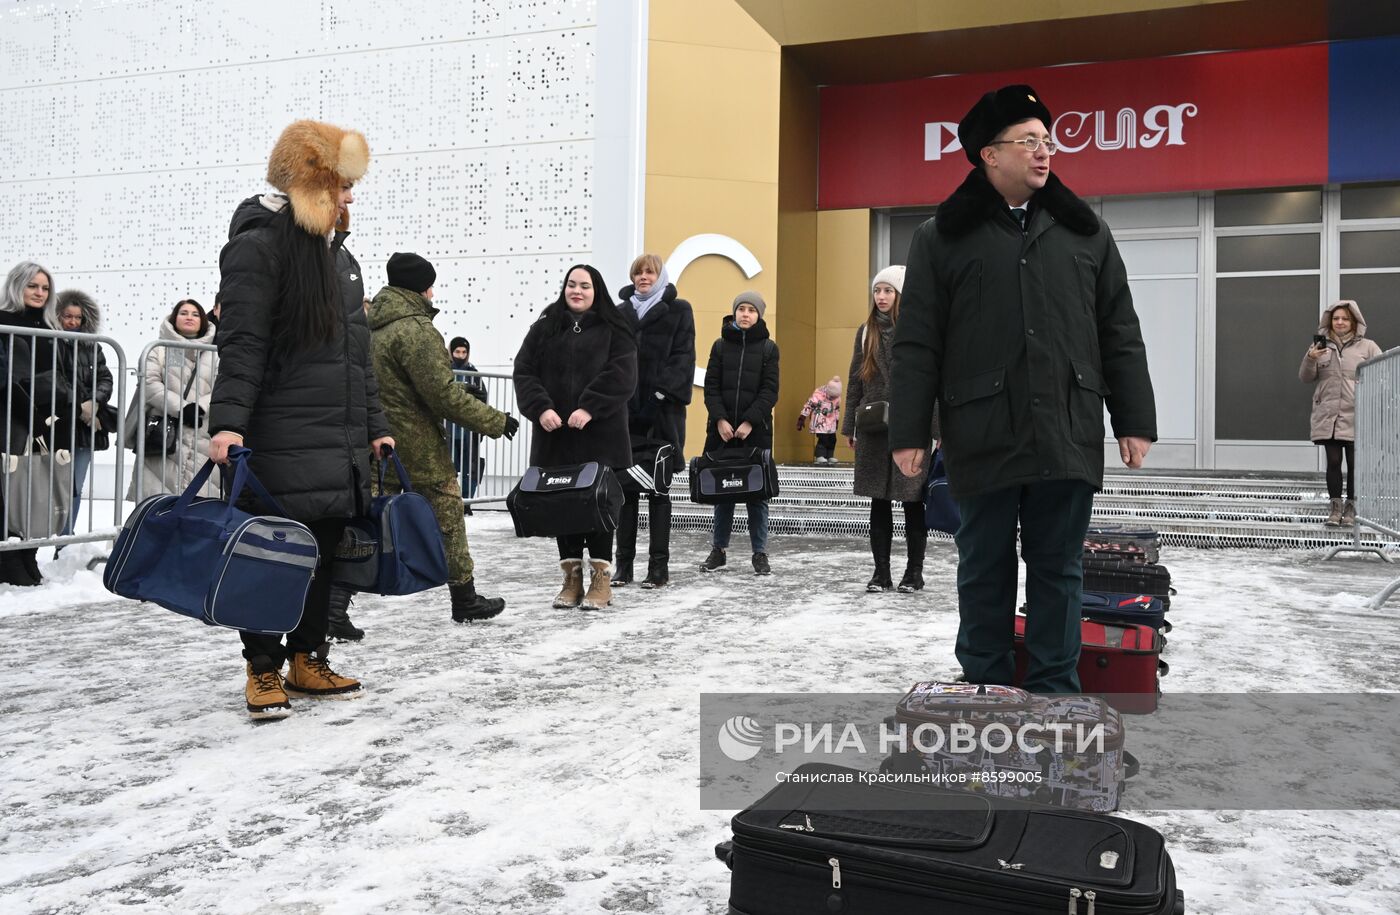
(642, 304)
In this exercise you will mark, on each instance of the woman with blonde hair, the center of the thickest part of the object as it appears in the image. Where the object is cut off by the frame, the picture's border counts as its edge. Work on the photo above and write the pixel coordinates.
(876, 476)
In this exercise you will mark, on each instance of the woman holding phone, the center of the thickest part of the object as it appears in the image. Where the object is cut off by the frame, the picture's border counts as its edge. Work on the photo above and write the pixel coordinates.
(1330, 364)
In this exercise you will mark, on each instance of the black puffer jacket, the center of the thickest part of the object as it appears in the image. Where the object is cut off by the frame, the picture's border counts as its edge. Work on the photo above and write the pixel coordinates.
(309, 420)
(84, 353)
(562, 370)
(741, 384)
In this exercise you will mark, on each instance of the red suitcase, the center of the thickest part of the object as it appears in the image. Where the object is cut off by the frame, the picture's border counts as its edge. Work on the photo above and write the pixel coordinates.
(1120, 661)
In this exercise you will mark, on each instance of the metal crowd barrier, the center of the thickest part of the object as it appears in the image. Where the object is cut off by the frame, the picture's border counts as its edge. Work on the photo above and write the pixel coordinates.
(1377, 459)
(489, 468)
(167, 473)
(38, 479)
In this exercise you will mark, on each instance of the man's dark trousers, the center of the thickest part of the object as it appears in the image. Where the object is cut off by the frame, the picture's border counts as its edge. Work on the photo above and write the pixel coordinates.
(1053, 518)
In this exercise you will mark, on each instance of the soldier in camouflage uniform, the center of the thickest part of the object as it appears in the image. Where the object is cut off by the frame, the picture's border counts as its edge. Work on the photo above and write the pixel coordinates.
(418, 392)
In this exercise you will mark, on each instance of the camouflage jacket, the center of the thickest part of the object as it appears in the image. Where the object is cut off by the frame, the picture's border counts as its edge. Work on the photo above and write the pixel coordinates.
(417, 389)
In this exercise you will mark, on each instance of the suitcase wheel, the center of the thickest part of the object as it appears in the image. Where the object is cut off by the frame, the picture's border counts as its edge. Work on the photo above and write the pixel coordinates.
(1163, 668)
(1102, 661)
(724, 851)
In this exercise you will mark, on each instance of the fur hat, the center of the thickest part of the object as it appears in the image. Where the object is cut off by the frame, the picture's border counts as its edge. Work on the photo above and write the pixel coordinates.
(996, 111)
(309, 164)
(411, 272)
(893, 274)
(752, 298)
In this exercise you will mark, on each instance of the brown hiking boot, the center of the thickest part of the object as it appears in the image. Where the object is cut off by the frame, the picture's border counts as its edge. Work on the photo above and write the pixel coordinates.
(1348, 513)
(572, 592)
(1335, 518)
(310, 675)
(264, 692)
(599, 585)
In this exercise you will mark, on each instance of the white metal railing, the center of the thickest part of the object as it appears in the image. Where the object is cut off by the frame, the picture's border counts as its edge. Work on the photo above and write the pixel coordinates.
(166, 473)
(38, 478)
(489, 468)
(1377, 459)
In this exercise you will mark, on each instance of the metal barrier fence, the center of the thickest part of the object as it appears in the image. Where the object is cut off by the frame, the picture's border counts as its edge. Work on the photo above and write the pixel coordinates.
(489, 468)
(1377, 459)
(162, 467)
(51, 432)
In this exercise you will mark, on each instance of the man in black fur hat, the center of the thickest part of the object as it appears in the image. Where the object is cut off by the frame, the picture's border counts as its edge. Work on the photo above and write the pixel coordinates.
(1016, 319)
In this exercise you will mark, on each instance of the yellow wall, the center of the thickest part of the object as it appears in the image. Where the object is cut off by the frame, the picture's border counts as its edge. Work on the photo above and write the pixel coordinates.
(843, 296)
(712, 159)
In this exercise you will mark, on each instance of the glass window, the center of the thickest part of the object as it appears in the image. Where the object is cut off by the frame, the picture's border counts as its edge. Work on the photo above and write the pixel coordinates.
(1150, 212)
(1263, 325)
(1158, 256)
(1268, 208)
(1371, 201)
(1250, 253)
(1378, 296)
(1371, 249)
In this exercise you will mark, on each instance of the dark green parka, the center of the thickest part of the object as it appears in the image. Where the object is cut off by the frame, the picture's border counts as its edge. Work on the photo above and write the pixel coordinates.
(417, 388)
(1021, 337)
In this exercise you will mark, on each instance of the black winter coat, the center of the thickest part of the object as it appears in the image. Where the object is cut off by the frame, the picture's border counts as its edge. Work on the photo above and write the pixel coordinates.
(665, 366)
(29, 375)
(741, 385)
(590, 365)
(75, 383)
(1021, 337)
(15, 399)
(310, 419)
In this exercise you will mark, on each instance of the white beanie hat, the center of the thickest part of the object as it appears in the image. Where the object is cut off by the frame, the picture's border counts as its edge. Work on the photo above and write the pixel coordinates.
(893, 274)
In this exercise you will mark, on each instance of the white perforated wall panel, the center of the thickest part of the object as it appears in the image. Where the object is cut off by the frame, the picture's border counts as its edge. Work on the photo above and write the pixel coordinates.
(129, 130)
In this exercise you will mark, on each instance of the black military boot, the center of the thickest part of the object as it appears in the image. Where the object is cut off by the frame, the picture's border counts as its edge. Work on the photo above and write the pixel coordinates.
(338, 625)
(468, 606)
(15, 571)
(659, 553)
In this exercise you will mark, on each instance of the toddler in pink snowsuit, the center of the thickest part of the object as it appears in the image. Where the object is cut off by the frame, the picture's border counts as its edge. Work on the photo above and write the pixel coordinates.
(824, 406)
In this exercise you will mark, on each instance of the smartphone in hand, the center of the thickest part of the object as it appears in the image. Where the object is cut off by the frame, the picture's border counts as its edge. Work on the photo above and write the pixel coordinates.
(1319, 341)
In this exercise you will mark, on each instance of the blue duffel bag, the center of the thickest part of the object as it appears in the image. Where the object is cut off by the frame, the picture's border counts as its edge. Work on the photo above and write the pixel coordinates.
(207, 559)
(410, 556)
(940, 508)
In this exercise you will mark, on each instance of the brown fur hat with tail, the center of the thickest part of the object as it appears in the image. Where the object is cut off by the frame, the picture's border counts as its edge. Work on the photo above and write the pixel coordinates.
(309, 164)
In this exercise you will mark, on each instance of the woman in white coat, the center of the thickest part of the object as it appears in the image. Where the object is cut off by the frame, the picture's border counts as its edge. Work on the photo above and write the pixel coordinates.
(179, 382)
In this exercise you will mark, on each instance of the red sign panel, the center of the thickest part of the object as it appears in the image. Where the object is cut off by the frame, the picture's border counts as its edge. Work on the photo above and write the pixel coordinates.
(1202, 122)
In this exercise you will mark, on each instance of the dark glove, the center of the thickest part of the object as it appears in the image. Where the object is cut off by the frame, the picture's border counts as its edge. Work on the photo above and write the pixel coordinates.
(801, 421)
(192, 414)
(512, 426)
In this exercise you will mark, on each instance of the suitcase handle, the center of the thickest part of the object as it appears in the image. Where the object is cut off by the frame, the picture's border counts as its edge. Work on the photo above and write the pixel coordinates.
(1131, 766)
(242, 476)
(724, 851)
(387, 454)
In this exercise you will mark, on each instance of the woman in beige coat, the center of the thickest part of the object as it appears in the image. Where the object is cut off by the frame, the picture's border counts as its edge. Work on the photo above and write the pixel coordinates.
(179, 382)
(1331, 365)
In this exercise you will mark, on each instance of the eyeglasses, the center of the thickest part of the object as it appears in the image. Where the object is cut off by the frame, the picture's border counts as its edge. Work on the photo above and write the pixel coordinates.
(1032, 144)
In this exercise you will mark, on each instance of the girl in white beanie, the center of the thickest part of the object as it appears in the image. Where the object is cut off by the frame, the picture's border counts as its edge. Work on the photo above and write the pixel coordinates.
(867, 406)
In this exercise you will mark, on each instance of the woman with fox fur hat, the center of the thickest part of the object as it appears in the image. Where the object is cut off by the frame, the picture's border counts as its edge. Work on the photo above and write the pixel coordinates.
(295, 382)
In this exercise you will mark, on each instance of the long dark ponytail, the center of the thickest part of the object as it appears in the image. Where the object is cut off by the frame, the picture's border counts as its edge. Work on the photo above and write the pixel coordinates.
(309, 299)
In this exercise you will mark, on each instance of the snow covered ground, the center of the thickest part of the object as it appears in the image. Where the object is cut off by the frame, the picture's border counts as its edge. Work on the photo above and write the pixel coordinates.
(547, 762)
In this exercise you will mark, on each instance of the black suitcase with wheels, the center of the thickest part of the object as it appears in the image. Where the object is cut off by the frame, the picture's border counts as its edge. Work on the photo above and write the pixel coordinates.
(845, 846)
(1123, 576)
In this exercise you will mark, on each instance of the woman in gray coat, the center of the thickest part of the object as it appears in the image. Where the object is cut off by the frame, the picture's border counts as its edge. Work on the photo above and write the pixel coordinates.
(1331, 366)
(876, 475)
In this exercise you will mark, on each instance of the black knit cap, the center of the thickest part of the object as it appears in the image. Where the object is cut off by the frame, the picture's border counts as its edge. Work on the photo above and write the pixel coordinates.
(996, 111)
(458, 341)
(411, 272)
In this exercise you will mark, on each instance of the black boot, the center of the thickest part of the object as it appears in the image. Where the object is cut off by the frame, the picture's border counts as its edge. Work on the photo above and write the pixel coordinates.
(659, 532)
(916, 541)
(626, 542)
(13, 570)
(881, 535)
(468, 606)
(338, 625)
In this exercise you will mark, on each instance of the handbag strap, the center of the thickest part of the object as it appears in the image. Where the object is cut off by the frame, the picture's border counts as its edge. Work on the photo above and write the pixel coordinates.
(390, 455)
(242, 476)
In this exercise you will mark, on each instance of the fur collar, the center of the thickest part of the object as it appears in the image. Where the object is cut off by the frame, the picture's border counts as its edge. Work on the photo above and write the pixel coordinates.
(976, 201)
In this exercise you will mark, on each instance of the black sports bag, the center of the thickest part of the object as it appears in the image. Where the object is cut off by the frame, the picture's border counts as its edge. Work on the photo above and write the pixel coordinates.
(856, 848)
(733, 475)
(557, 501)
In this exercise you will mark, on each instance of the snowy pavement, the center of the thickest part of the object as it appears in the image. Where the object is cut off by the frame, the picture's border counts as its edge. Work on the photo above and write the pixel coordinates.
(547, 762)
